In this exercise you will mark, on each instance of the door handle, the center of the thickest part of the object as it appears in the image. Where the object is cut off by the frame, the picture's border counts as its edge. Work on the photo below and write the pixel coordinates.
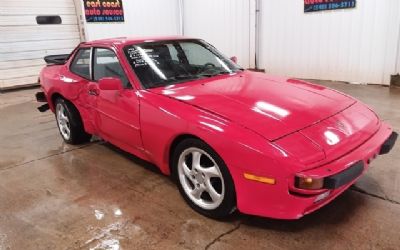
(94, 92)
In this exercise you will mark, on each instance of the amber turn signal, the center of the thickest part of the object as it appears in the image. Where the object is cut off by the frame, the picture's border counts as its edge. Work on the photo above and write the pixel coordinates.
(262, 179)
(309, 183)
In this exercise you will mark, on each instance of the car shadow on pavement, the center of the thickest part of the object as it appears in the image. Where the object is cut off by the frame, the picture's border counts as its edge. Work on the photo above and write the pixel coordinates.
(136, 160)
(339, 211)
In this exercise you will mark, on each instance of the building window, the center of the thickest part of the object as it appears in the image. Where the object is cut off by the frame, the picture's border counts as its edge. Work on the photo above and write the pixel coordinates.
(48, 20)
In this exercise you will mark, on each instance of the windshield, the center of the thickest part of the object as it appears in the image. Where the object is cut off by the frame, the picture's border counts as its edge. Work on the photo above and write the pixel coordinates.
(169, 62)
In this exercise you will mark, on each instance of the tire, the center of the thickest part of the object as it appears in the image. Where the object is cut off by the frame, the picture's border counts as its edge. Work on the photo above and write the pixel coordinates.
(69, 123)
(203, 179)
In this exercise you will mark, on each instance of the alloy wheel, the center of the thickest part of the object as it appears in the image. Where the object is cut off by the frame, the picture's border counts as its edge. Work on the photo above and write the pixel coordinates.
(63, 122)
(201, 178)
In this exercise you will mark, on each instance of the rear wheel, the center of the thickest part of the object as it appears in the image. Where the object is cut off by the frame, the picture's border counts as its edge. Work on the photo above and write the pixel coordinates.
(203, 179)
(69, 123)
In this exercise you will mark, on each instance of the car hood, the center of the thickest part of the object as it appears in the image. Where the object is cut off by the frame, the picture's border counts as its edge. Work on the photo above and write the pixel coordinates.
(270, 106)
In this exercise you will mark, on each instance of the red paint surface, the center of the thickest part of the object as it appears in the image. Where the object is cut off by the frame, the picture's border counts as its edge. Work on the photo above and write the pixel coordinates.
(258, 124)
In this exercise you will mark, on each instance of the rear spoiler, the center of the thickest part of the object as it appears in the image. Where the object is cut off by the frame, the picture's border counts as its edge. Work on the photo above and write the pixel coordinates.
(60, 59)
(56, 59)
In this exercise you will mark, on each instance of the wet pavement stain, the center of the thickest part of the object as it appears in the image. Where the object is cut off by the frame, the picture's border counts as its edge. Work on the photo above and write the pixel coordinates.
(57, 196)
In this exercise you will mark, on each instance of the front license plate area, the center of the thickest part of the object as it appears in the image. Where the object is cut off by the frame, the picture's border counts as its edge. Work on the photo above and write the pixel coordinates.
(344, 177)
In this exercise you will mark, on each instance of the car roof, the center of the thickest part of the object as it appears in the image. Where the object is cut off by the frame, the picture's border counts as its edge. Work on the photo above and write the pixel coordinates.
(118, 41)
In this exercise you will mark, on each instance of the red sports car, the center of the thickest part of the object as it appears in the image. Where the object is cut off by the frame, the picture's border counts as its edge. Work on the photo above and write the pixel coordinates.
(231, 138)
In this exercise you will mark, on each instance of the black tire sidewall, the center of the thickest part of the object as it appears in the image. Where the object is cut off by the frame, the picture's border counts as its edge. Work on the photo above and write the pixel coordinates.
(228, 204)
(77, 132)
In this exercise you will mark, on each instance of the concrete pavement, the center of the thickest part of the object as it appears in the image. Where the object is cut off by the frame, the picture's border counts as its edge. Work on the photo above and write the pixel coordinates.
(57, 196)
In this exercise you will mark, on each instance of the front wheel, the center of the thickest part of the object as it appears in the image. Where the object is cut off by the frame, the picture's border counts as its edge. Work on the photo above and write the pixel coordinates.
(203, 179)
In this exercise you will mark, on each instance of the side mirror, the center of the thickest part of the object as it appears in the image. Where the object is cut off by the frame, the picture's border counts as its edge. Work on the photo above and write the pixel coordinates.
(234, 59)
(110, 83)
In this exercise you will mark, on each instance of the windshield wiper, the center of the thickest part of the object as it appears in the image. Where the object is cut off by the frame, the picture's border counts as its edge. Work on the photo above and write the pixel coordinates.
(217, 73)
(183, 77)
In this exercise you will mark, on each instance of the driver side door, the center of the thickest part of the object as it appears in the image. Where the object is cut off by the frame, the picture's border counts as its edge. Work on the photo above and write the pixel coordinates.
(116, 111)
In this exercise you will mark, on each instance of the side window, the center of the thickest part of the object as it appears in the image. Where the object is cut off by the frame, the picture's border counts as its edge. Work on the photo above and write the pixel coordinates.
(197, 55)
(81, 63)
(106, 64)
(173, 52)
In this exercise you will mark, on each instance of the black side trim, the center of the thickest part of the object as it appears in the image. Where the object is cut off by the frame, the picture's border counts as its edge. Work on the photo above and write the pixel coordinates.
(388, 144)
(344, 177)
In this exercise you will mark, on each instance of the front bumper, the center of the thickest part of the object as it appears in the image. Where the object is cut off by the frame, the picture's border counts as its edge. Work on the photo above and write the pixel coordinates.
(278, 201)
(345, 177)
(388, 144)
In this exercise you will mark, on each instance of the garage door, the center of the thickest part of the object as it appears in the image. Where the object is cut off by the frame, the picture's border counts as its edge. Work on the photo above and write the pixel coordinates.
(226, 24)
(24, 42)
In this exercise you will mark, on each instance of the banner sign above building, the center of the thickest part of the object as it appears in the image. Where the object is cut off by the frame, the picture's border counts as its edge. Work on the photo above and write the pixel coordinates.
(320, 5)
(103, 11)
